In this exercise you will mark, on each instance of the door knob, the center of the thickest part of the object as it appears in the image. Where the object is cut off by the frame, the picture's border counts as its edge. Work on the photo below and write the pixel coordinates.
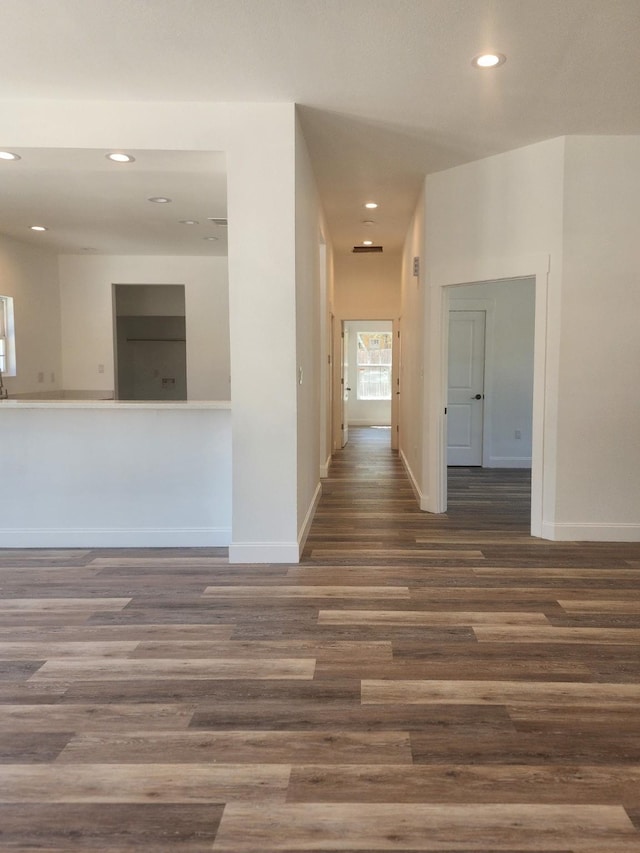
(477, 397)
(348, 389)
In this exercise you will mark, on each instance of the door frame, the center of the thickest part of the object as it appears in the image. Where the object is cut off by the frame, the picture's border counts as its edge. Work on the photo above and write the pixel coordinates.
(544, 380)
(337, 326)
(344, 387)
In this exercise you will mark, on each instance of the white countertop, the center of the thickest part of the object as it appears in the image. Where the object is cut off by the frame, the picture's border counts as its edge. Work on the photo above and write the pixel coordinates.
(182, 405)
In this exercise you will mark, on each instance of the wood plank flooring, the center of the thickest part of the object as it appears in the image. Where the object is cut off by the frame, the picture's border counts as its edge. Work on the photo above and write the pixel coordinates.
(417, 683)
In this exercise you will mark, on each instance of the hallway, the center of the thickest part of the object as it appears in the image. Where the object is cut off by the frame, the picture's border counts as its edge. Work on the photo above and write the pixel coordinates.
(368, 500)
(418, 683)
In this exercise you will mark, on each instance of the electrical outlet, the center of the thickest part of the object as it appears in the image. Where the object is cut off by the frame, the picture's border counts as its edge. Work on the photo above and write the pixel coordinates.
(41, 377)
(101, 368)
(518, 434)
(53, 376)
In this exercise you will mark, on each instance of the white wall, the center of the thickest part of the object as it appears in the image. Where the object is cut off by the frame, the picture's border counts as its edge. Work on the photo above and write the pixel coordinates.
(309, 226)
(87, 317)
(367, 286)
(262, 266)
(498, 218)
(413, 423)
(364, 412)
(30, 276)
(570, 206)
(508, 387)
(124, 475)
(259, 142)
(502, 207)
(599, 416)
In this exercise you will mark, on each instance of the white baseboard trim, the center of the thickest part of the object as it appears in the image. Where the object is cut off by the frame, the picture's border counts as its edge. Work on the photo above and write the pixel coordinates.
(308, 519)
(565, 532)
(422, 499)
(324, 467)
(508, 462)
(425, 505)
(115, 537)
(264, 552)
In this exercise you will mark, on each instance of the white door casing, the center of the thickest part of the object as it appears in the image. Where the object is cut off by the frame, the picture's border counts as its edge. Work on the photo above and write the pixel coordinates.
(395, 386)
(465, 394)
(345, 384)
(545, 379)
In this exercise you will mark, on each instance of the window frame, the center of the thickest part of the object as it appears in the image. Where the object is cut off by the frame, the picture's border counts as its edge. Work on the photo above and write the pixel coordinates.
(365, 367)
(7, 337)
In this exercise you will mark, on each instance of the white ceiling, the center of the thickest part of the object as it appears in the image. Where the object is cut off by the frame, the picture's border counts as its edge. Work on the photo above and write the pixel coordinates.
(94, 206)
(386, 88)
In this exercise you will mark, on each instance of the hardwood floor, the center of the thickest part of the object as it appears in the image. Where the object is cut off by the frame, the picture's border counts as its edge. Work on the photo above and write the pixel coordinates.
(417, 683)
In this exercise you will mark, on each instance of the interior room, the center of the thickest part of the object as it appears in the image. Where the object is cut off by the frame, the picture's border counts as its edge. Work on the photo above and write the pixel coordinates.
(103, 232)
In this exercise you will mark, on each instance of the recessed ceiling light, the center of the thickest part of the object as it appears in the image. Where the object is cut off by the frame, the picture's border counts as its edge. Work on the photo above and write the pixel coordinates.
(38, 228)
(188, 221)
(371, 205)
(120, 158)
(159, 199)
(488, 60)
(367, 242)
(209, 238)
(9, 155)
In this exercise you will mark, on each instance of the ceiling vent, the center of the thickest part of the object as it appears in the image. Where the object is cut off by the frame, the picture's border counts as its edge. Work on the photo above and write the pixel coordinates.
(221, 222)
(359, 249)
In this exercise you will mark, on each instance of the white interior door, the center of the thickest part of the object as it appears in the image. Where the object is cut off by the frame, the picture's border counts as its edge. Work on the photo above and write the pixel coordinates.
(465, 398)
(344, 384)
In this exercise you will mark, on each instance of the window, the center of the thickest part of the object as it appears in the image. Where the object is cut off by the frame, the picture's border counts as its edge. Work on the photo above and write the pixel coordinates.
(374, 366)
(7, 337)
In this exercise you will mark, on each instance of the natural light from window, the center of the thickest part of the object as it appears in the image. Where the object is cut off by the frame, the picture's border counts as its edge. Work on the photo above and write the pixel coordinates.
(7, 339)
(374, 366)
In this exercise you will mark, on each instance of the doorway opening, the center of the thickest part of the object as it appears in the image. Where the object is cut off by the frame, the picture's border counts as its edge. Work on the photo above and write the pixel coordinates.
(150, 346)
(366, 376)
(490, 381)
